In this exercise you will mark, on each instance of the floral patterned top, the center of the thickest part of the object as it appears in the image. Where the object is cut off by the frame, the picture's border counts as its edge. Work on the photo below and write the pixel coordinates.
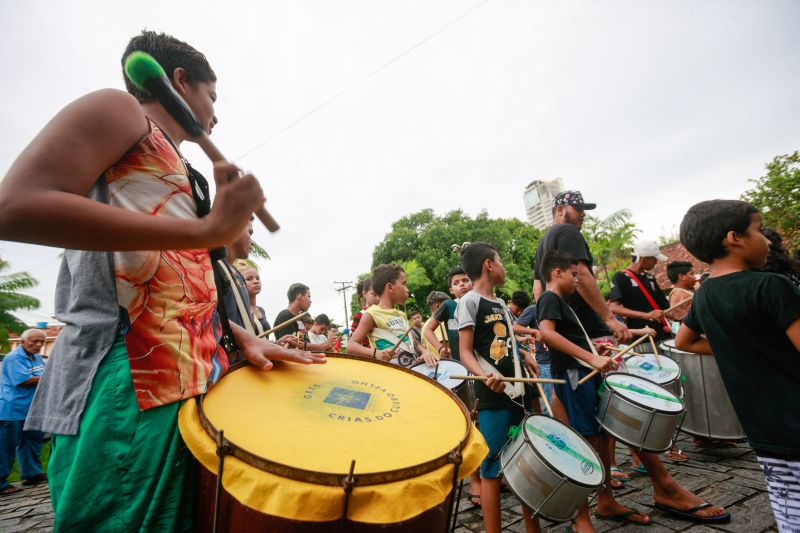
(168, 299)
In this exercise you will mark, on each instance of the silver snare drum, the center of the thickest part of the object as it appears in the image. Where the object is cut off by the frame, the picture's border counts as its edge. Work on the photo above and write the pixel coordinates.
(709, 412)
(446, 368)
(645, 365)
(551, 468)
(638, 412)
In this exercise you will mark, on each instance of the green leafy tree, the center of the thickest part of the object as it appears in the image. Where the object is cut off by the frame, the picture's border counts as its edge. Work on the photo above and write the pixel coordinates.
(610, 240)
(428, 239)
(12, 300)
(777, 196)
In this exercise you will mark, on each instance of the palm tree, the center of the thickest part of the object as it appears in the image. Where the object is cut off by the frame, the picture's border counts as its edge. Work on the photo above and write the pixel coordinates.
(11, 300)
(610, 239)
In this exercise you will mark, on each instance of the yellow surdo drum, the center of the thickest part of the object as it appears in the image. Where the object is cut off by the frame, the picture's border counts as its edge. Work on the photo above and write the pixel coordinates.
(352, 445)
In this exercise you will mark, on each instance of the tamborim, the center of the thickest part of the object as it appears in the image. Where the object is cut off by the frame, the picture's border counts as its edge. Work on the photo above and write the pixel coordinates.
(638, 412)
(355, 444)
(551, 468)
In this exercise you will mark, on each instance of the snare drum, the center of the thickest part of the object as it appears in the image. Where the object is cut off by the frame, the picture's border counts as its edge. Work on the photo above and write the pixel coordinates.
(404, 359)
(355, 445)
(709, 412)
(551, 468)
(645, 365)
(638, 412)
(442, 373)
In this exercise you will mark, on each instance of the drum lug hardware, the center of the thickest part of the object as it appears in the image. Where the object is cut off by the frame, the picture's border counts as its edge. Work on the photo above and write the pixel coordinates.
(347, 484)
(455, 457)
(223, 448)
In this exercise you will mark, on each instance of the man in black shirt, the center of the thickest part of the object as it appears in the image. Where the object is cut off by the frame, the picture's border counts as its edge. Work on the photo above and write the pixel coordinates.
(569, 209)
(636, 295)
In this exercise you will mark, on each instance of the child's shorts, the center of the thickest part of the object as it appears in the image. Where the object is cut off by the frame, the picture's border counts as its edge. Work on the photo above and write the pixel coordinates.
(494, 425)
(581, 403)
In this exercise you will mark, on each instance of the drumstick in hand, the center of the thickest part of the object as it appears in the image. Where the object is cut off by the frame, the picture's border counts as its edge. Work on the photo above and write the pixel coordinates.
(677, 305)
(283, 325)
(655, 350)
(594, 372)
(148, 75)
(544, 399)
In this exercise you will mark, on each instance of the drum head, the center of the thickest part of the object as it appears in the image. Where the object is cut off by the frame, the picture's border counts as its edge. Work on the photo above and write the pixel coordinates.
(646, 365)
(320, 417)
(564, 449)
(643, 392)
(447, 368)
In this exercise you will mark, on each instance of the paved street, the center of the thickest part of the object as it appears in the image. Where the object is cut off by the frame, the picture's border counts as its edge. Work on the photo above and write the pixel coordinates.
(729, 477)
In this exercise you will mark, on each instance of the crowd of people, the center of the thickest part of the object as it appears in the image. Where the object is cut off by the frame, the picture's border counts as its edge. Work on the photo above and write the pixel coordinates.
(143, 332)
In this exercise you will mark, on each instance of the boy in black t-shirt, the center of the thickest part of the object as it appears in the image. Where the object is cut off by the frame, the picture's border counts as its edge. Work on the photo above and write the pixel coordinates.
(751, 322)
(488, 349)
(567, 341)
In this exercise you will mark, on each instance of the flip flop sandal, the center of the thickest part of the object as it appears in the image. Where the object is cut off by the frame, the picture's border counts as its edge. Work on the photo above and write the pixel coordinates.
(472, 498)
(11, 489)
(624, 518)
(618, 474)
(677, 456)
(641, 469)
(688, 514)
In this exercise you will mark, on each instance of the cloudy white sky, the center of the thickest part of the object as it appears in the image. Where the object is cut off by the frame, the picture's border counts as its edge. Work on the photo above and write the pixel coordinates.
(645, 105)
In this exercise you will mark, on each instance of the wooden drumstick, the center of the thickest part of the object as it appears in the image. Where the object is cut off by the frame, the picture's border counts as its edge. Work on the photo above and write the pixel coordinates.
(677, 305)
(281, 326)
(594, 372)
(655, 350)
(215, 155)
(402, 338)
(514, 380)
(544, 399)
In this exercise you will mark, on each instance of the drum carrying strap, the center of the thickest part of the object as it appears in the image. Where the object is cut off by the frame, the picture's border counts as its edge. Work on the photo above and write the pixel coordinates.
(512, 390)
(572, 373)
(244, 308)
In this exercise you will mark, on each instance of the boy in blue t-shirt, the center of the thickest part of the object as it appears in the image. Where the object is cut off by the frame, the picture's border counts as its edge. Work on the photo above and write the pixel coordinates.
(750, 321)
(487, 348)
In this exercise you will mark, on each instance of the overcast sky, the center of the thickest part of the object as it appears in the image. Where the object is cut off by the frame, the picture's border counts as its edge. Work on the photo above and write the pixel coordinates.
(645, 105)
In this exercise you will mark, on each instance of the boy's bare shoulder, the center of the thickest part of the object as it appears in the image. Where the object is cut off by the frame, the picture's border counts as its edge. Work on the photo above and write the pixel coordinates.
(110, 108)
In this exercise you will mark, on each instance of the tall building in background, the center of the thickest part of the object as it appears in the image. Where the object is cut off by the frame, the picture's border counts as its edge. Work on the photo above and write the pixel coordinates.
(538, 197)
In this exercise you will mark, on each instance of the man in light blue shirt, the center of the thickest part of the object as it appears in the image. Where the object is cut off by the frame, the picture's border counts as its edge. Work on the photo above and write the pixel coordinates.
(22, 368)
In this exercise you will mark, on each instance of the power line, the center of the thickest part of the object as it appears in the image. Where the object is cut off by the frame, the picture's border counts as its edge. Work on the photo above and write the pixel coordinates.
(360, 81)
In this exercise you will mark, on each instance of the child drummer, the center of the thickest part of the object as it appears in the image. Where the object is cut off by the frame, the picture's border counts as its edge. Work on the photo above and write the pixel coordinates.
(383, 324)
(568, 342)
(484, 324)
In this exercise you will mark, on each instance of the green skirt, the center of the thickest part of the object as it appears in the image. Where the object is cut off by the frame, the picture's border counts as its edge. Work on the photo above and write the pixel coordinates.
(125, 470)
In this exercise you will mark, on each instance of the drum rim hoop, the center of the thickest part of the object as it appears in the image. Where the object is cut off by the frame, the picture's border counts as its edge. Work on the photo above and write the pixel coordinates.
(457, 387)
(615, 392)
(549, 464)
(338, 480)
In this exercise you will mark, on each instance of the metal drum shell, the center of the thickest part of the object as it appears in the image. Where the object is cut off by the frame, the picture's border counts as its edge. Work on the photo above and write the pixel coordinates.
(564, 496)
(641, 427)
(709, 412)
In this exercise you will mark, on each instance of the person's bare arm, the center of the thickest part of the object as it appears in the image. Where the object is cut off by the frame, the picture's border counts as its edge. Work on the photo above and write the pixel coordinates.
(52, 176)
(558, 342)
(538, 289)
(261, 352)
(354, 345)
(31, 381)
(429, 332)
(587, 288)
(689, 340)
(618, 309)
(793, 332)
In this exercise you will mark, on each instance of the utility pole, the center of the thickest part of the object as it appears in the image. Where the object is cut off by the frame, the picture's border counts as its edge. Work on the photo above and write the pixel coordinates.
(343, 286)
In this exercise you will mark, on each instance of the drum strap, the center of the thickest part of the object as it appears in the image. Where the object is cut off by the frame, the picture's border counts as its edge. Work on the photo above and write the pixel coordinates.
(244, 309)
(648, 297)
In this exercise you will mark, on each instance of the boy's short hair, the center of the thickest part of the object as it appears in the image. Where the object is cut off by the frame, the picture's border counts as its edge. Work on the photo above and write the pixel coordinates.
(322, 319)
(521, 299)
(383, 275)
(473, 255)
(676, 268)
(170, 53)
(295, 290)
(436, 297)
(556, 259)
(414, 312)
(457, 270)
(705, 225)
(363, 285)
